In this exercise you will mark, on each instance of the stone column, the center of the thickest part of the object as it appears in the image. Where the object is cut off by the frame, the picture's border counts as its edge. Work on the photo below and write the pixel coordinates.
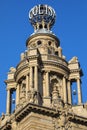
(31, 77)
(44, 85)
(27, 86)
(8, 111)
(69, 92)
(17, 94)
(60, 51)
(36, 78)
(79, 91)
(65, 89)
(47, 84)
(46, 93)
(46, 98)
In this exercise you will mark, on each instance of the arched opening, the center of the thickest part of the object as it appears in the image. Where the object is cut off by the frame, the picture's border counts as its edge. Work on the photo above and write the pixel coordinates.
(45, 26)
(49, 43)
(39, 42)
(74, 93)
(40, 26)
(13, 100)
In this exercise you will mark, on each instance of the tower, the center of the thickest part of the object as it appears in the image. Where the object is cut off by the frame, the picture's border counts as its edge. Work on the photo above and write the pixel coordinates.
(42, 82)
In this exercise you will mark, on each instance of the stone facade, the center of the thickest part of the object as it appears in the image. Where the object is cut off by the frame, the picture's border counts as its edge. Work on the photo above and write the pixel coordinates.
(43, 81)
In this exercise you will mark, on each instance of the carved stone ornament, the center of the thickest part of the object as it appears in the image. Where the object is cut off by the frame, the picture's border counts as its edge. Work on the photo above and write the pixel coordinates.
(55, 80)
(56, 100)
(56, 92)
(62, 122)
(32, 96)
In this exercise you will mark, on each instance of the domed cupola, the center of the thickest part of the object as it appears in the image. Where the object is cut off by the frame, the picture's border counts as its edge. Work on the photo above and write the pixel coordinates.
(43, 76)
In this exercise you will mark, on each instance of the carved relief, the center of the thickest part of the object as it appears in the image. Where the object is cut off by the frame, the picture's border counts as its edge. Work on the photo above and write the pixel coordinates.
(56, 100)
(56, 81)
(23, 90)
(56, 92)
(32, 96)
(62, 122)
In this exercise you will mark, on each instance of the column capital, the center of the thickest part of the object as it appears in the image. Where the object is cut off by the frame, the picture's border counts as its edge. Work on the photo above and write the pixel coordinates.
(68, 80)
(27, 74)
(47, 71)
(65, 76)
(8, 89)
(78, 78)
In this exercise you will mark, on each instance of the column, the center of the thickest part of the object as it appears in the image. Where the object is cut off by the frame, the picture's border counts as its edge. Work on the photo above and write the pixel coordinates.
(65, 90)
(27, 86)
(44, 85)
(31, 77)
(36, 78)
(8, 102)
(46, 94)
(60, 51)
(17, 94)
(79, 91)
(47, 84)
(69, 92)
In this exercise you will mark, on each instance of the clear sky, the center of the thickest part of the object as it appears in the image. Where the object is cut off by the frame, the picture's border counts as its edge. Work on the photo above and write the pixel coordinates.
(70, 28)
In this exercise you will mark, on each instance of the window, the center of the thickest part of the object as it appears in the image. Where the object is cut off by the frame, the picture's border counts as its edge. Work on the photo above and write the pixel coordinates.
(56, 53)
(45, 26)
(40, 26)
(39, 42)
(49, 43)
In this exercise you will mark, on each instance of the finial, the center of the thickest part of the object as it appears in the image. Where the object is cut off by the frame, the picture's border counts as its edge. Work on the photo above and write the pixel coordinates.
(42, 17)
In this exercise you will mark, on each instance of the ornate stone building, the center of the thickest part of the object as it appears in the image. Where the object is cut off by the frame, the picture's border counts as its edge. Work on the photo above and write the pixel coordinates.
(42, 82)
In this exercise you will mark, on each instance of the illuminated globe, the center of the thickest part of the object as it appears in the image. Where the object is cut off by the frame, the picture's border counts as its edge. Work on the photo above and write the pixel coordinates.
(42, 16)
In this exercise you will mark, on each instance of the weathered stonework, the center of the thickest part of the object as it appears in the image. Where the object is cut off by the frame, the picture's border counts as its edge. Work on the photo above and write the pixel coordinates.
(43, 81)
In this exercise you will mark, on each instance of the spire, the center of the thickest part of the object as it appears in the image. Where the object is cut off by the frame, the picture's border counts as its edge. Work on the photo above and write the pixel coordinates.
(42, 17)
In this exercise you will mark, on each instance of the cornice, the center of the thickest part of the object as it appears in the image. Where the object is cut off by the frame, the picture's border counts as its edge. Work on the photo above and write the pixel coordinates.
(79, 119)
(6, 126)
(56, 64)
(20, 69)
(9, 81)
(29, 107)
(77, 70)
(19, 115)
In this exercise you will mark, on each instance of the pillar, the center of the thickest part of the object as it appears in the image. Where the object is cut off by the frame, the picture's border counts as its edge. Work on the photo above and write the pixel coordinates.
(27, 86)
(60, 51)
(8, 109)
(31, 77)
(79, 91)
(69, 92)
(36, 78)
(46, 94)
(44, 85)
(17, 94)
(65, 89)
(47, 84)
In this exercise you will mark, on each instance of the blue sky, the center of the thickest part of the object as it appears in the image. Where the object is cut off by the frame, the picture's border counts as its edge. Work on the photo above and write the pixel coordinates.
(70, 28)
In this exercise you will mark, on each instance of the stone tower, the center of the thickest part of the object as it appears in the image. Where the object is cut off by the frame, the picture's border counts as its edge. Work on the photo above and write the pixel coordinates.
(42, 82)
